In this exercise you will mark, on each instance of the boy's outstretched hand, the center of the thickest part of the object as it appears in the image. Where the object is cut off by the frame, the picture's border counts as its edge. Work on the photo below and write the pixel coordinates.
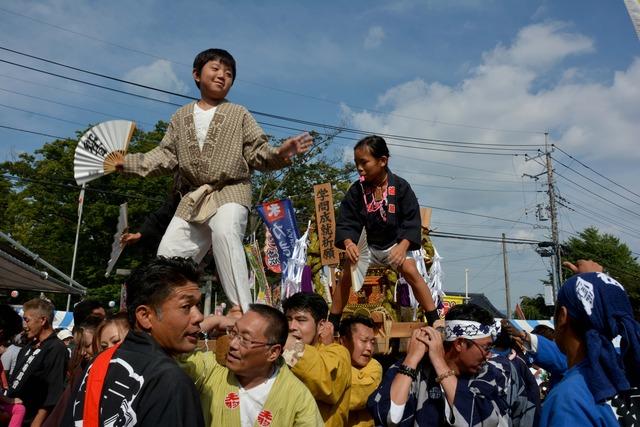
(295, 145)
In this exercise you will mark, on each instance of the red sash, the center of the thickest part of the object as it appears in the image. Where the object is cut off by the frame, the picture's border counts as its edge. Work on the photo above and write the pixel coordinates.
(95, 381)
(3, 378)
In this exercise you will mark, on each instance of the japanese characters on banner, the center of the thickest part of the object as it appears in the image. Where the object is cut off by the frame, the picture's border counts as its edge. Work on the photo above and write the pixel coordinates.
(281, 222)
(271, 257)
(326, 221)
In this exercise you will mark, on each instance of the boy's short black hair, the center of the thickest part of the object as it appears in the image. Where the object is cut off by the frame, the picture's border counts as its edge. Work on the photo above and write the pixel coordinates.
(214, 55)
(503, 340)
(471, 312)
(10, 323)
(83, 309)
(151, 283)
(546, 331)
(277, 329)
(346, 324)
(311, 302)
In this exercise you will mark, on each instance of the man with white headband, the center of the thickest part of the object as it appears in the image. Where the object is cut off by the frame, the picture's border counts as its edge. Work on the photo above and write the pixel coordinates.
(448, 382)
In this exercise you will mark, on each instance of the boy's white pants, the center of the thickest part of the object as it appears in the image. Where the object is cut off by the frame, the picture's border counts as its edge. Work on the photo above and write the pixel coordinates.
(223, 233)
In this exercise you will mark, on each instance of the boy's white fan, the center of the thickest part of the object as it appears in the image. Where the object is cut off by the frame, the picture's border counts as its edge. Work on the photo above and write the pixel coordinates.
(99, 149)
(359, 270)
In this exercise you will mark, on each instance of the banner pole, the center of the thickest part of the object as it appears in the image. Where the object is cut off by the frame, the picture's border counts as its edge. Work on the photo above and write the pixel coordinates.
(75, 246)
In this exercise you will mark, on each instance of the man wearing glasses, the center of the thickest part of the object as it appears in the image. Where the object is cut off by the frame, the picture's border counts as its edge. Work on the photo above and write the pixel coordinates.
(256, 387)
(446, 381)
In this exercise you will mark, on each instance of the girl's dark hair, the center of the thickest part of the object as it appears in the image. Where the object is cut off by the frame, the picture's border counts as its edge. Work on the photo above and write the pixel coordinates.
(10, 323)
(375, 144)
(214, 55)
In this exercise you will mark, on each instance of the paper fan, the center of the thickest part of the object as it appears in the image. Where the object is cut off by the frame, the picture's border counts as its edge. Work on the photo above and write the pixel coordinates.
(100, 147)
(117, 247)
(359, 270)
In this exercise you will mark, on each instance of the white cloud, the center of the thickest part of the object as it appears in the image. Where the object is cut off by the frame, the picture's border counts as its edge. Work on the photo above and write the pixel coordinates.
(498, 93)
(539, 46)
(158, 74)
(374, 37)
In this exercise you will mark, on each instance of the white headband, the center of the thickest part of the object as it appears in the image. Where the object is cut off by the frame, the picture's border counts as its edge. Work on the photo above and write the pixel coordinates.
(454, 329)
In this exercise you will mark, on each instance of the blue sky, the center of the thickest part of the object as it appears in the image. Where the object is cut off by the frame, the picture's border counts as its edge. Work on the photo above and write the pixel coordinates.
(486, 72)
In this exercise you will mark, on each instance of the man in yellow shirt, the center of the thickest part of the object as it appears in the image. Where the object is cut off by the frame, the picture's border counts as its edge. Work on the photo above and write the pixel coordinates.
(356, 334)
(256, 388)
(323, 366)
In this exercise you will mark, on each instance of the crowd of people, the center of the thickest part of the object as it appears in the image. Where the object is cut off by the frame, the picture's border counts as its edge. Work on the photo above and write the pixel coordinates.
(306, 363)
(287, 367)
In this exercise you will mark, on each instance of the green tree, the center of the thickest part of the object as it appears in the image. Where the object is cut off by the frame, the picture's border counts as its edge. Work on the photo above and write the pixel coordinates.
(39, 201)
(614, 255)
(535, 308)
(42, 208)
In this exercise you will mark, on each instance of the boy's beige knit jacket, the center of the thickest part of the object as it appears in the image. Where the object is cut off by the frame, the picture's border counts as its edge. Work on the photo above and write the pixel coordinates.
(220, 173)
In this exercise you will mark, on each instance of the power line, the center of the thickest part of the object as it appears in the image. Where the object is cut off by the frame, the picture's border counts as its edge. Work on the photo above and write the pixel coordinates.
(575, 190)
(479, 215)
(290, 92)
(595, 171)
(406, 171)
(475, 189)
(42, 115)
(602, 197)
(93, 84)
(594, 216)
(595, 182)
(68, 105)
(78, 187)
(493, 239)
(336, 128)
(83, 94)
(451, 261)
(430, 141)
(32, 132)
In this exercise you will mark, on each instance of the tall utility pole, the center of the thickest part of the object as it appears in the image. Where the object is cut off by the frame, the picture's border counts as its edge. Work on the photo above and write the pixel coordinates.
(506, 276)
(556, 272)
(553, 213)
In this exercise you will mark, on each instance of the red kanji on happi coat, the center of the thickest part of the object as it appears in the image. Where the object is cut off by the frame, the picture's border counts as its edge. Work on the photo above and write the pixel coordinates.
(232, 401)
(265, 418)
